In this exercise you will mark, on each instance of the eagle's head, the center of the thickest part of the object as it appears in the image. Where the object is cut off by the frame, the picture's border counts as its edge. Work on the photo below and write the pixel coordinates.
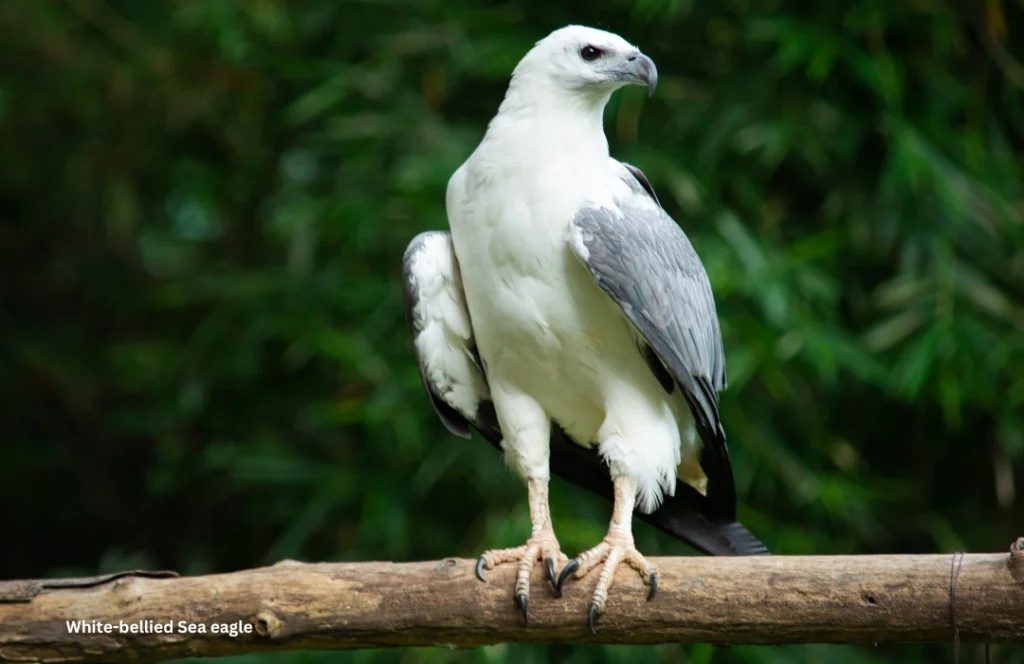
(585, 62)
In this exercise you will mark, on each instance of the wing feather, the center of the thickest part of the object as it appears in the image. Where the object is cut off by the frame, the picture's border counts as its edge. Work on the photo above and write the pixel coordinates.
(435, 310)
(643, 260)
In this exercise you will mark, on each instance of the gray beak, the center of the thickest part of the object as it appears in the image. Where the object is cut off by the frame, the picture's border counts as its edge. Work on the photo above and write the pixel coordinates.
(640, 70)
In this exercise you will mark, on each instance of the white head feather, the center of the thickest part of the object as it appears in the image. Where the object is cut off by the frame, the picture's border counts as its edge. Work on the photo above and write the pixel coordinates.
(581, 66)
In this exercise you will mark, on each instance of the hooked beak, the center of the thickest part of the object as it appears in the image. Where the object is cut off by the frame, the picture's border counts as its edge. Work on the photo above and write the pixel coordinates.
(638, 70)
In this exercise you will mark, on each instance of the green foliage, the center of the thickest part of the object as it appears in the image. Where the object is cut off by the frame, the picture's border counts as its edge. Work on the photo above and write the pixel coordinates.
(204, 364)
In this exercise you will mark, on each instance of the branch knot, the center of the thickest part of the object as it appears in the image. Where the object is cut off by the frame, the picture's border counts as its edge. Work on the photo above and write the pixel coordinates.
(267, 624)
(1016, 560)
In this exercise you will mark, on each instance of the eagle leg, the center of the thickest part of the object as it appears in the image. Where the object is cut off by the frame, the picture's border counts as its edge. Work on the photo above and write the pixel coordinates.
(541, 545)
(616, 548)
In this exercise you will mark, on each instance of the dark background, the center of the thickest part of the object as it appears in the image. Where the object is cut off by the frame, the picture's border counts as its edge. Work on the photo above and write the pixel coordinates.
(203, 206)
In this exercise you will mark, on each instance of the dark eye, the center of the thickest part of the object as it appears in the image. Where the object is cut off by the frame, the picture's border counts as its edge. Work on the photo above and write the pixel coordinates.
(590, 53)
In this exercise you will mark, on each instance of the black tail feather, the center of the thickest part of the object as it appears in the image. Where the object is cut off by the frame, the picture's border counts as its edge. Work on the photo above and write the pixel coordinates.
(680, 516)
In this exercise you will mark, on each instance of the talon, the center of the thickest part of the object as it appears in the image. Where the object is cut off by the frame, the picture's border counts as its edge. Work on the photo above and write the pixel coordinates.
(567, 571)
(616, 548)
(541, 545)
(591, 617)
(480, 569)
(550, 563)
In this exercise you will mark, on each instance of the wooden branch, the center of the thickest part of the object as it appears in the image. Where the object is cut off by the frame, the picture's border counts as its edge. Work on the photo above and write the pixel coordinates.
(758, 600)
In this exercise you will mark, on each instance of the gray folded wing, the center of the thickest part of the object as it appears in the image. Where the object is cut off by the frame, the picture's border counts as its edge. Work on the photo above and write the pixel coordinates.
(642, 259)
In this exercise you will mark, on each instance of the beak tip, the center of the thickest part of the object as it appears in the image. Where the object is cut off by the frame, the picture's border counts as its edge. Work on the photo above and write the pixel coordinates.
(649, 75)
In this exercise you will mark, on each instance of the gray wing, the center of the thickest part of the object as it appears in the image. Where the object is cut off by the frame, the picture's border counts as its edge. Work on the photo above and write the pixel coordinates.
(641, 258)
(435, 310)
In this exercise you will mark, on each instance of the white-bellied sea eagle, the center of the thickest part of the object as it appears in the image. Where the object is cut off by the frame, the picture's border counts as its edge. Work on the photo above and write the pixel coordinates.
(568, 319)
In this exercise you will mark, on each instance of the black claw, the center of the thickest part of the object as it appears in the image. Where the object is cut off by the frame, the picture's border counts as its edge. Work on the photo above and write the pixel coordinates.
(551, 575)
(480, 569)
(573, 565)
(654, 586)
(523, 602)
(591, 617)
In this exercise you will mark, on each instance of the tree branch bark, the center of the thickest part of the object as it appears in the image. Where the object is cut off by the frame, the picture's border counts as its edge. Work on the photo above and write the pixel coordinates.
(757, 600)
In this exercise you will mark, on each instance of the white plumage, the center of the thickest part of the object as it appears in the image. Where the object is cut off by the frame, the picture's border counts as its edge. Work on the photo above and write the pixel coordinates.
(445, 336)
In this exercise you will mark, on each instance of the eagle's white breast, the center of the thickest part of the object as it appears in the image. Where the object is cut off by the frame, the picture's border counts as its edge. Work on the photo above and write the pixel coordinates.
(545, 330)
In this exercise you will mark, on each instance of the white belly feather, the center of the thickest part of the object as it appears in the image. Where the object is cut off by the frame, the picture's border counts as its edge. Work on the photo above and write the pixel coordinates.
(547, 332)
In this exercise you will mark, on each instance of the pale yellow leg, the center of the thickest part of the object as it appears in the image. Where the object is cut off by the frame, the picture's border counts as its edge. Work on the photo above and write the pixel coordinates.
(616, 547)
(541, 545)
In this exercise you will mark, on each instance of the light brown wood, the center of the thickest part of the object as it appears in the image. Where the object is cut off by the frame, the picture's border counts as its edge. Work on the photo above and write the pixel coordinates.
(759, 600)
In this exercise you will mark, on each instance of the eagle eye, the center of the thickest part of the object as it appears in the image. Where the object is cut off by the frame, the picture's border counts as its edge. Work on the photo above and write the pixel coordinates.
(590, 53)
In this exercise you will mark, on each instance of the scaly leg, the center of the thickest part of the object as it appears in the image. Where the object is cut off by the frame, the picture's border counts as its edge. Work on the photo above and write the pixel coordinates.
(542, 545)
(616, 547)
